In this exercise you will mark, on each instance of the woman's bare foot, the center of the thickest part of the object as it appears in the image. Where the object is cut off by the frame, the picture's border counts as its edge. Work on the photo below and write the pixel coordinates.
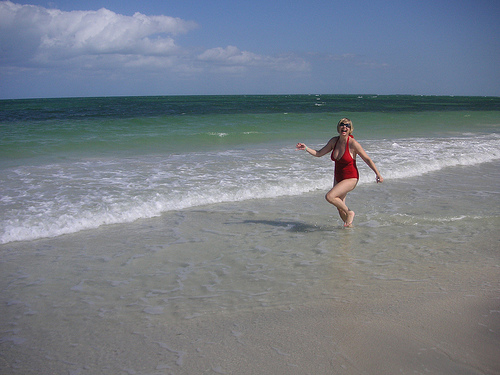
(349, 220)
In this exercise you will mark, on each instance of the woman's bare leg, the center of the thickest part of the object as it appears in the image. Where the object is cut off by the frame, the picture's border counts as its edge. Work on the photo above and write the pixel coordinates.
(342, 214)
(337, 196)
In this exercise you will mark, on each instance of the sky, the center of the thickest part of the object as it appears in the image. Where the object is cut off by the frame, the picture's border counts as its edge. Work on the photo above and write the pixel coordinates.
(67, 48)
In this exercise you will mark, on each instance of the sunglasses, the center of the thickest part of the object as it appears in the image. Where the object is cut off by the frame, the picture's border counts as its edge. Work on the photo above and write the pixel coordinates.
(346, 125)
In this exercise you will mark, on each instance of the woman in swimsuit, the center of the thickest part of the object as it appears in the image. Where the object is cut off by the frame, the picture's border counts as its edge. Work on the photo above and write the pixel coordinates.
(344, 149)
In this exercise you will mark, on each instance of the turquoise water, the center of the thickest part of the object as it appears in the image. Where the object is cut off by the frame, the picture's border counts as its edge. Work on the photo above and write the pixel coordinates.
(167, 124)
(73, 164)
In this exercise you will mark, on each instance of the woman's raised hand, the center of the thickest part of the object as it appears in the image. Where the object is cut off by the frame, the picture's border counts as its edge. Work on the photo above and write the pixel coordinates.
(300, 146)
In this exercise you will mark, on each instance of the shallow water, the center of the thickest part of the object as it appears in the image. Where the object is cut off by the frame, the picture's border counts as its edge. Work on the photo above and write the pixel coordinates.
(121, 281)
(68, 165)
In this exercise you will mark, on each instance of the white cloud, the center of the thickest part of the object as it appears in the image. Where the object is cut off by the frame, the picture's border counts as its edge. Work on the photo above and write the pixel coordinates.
(105, 49)
(37, 34)
(233, 57)
(229, 55)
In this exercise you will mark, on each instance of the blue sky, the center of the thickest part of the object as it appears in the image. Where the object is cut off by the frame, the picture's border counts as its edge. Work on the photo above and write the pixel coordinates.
(73, 48)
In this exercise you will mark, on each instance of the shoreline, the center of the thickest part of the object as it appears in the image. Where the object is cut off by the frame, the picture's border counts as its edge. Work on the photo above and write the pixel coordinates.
(268, 286)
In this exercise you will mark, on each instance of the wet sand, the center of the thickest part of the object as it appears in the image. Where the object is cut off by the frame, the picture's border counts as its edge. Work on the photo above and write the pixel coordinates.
(268, 287)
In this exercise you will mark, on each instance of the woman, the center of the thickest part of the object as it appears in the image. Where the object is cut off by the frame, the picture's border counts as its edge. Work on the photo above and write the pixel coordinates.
(344, 149)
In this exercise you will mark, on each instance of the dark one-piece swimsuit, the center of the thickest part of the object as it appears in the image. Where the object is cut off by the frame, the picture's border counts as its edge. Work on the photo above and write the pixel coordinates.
(345, 167)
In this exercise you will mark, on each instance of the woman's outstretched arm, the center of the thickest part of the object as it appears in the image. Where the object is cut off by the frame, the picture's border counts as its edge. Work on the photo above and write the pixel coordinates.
(325, 150)
(362, 153)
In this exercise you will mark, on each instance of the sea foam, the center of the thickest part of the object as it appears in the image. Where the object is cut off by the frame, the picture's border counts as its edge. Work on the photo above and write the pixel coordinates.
(67, 197)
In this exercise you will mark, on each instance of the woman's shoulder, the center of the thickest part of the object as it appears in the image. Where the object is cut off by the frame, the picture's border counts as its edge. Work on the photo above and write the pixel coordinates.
(354, 145)
(331, 143)
(353, 141)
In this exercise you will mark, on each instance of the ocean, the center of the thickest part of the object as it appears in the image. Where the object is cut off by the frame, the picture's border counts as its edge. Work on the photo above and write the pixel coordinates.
(125, 217)
(74, 164)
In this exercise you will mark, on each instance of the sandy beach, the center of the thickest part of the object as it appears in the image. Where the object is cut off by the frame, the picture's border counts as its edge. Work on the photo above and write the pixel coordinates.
(413, 330)
(268, 287)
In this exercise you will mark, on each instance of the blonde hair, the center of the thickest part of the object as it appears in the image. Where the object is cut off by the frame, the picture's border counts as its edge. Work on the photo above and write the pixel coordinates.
(346, 121)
